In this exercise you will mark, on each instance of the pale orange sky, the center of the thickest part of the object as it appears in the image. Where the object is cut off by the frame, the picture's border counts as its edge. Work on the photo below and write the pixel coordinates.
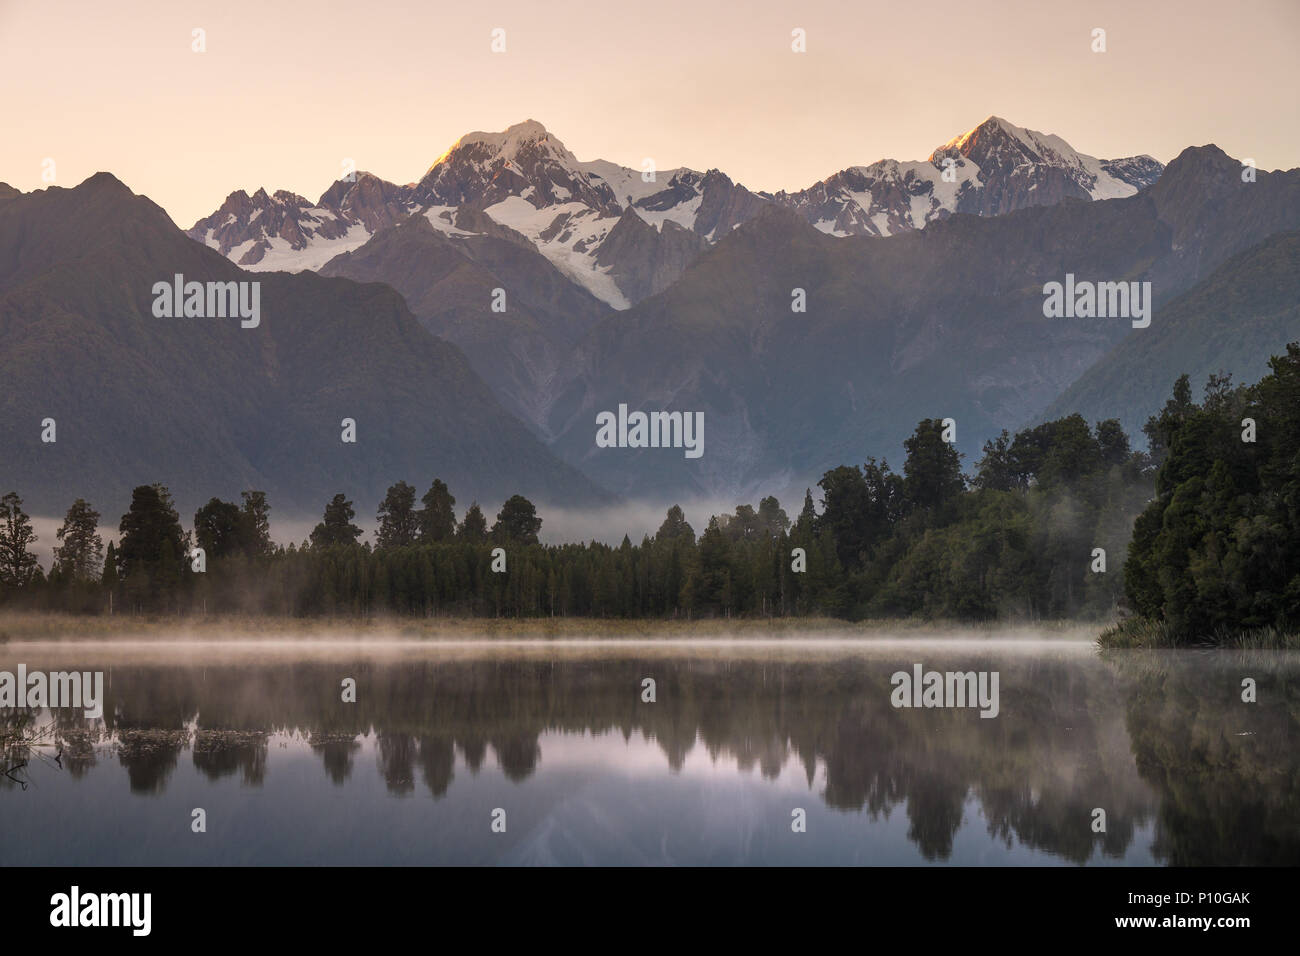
(288, 89)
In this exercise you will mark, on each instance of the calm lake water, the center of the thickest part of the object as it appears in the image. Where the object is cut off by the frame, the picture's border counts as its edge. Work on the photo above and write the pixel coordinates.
(741, 735)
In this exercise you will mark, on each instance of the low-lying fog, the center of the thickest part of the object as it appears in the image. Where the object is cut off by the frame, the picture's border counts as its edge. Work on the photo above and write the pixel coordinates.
(559, 525)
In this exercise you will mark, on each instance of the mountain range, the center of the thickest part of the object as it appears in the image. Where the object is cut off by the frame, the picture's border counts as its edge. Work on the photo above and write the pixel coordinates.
(483, 316)
(208, 407)
(606, 230)
(942, 322)
(625, 234)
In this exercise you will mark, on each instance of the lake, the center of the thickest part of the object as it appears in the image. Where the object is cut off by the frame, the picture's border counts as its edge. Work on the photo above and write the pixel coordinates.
(750, 752)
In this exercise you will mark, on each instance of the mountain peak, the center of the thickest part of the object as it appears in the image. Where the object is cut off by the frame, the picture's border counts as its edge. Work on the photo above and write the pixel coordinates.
(528, 128)
(1208, 156)
(529, 131)
(523, 161)
(105, 182)
(1191, 177)
(993, 125)
(506, 144)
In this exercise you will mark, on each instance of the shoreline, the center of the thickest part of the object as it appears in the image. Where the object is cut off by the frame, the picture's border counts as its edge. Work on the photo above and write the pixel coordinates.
(50, 628)
(58, 628)
(1137, 633)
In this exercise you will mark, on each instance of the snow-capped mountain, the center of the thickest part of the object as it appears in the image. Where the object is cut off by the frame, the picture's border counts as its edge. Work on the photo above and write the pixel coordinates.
(995, 168)
(522, 183)
(285, 232)
(624, 235)
(527, 181)
(525, 162)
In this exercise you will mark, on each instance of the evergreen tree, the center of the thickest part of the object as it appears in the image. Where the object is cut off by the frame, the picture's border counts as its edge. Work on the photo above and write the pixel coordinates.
(932, 472)
(219, 529)
(437, 517)
(473, 527)
(1219, 546)
(714, 586)
(255, 530)
(109, 577)
(18, 564)
(675, 526)
(846, 508)
(1114, 444)
(996, 470)
(81, 555)
(337, 526)
(745, 525)
(1068, 451)
(151, 546)
(399, 523)
(1161, 428)
(806, 525)
(772, 517)
(517, 521)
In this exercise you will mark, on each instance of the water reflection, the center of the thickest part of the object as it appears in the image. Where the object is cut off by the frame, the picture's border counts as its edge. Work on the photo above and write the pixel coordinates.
(1186, 772)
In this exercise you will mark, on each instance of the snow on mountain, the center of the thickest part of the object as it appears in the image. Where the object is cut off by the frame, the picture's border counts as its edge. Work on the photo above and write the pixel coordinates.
(630, 186)
(568, 234)
(285, 232)
(997, 145)
(1137, 171)
(995, 168)
(524, 183)
(884, 198)
(525, 161)
(527, 180)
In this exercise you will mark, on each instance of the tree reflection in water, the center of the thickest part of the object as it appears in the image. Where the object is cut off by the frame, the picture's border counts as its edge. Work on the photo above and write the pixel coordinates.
(1159, 740)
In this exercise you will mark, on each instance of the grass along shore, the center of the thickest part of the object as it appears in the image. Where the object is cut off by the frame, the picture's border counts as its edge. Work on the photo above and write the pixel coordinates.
(1138, 632)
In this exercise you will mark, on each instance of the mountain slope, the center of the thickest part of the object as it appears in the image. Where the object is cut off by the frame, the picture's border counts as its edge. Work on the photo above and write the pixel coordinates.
(449, 281)
(945, 321)
(1245, 312)
(616, 236)
(208, 407)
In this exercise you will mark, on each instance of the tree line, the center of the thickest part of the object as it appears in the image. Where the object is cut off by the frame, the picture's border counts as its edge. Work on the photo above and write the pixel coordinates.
(1011, 541)
(1217, 550)
(1060, 520)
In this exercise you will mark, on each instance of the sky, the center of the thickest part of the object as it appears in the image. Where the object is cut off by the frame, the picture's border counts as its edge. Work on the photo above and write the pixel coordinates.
(287, 91)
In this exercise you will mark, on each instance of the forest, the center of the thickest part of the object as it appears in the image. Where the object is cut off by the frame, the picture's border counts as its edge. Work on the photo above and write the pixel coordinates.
(1197, 536)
